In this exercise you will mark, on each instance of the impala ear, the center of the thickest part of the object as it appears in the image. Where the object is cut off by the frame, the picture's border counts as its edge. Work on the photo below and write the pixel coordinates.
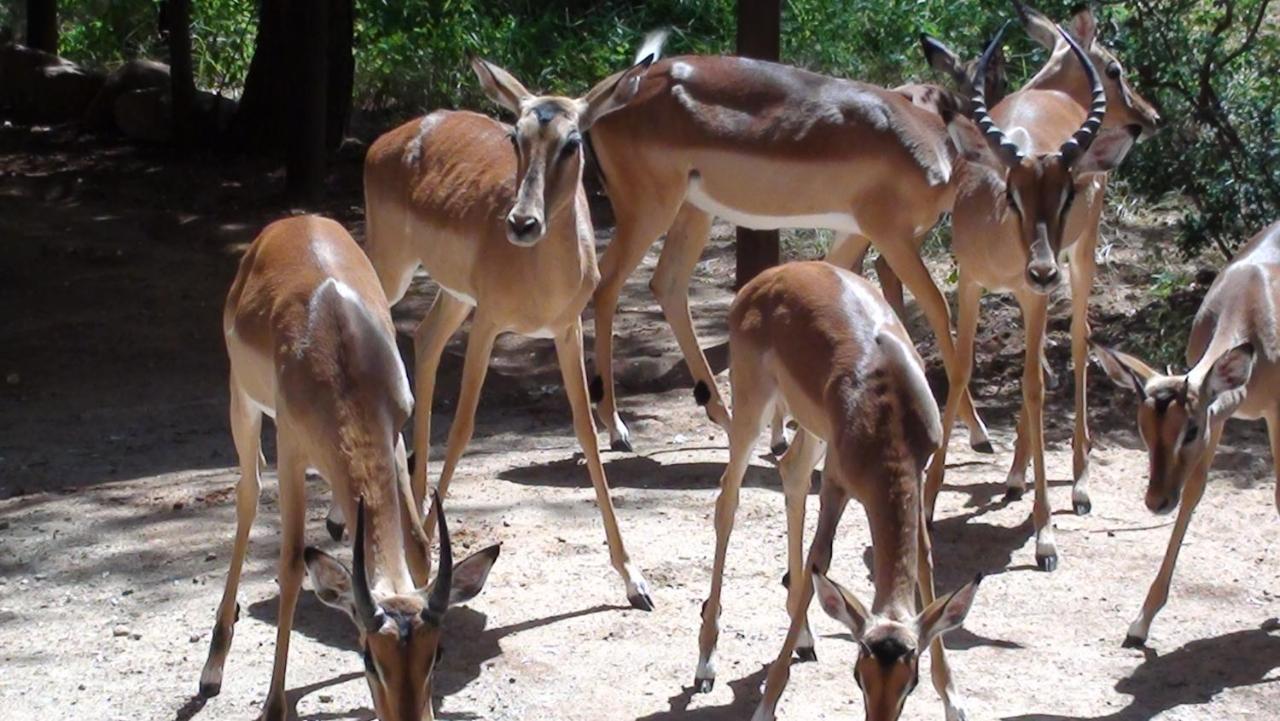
(499, 85)
(330, 579)
(470, 573)
(1040, 28)
(973, 147)
(840, 604)
(1083, 26)
(1223, 390)
(1123, 369)
(1108, 150)
(942, 59)
(612, 93)
(948, 613)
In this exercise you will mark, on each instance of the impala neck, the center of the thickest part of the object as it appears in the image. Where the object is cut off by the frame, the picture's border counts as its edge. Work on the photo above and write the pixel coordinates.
(1063, 74)
(385, 533)
(893, 513)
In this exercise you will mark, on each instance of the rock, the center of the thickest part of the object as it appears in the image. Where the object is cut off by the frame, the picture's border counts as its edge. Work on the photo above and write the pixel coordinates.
(193, 638)
(211, 557)
(326, 698)
(120, 631)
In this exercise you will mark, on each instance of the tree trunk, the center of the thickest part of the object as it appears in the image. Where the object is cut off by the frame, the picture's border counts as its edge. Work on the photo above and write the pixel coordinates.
(759, 36)
(265, 120)
(177, 19)
(309, 108)
(42, 25)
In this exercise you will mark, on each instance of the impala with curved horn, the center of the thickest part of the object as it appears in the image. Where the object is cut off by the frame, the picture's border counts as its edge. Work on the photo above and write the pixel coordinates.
(1234, 353)
(311, 344)
(1024, 196)
(497, 216)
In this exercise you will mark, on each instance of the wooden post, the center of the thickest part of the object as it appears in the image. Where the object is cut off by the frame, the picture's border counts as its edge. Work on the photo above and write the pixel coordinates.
(759, 36)
(42, 25)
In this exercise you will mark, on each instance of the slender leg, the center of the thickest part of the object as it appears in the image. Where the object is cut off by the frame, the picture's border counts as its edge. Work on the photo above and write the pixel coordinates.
(1083, 268)
(905, 262)
(752, 395)
(476, 365)
(293, 507)
(778, 442)
(833, 501)
(1035, 314)
(638, 229)
(849, 251)
(246, 431)
(968, 293)
(1015, 484)
(569, 353)
(1159, 591)
(891, 287)
(1273, 427)
(939, 668)
(670, 284)
(796, 468)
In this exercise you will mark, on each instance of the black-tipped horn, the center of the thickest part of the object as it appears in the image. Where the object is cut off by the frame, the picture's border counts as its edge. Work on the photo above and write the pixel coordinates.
(366, 610)
(1005, 148)
(1083, 138)
(438, 602)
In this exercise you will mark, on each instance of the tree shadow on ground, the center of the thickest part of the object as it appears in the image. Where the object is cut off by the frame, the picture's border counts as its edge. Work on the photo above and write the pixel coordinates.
(746, 694)
(1191, 675)
(638, 472)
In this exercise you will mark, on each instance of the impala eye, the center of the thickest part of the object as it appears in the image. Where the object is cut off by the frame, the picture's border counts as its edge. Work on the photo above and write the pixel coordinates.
(1113, 70)
(511, 136)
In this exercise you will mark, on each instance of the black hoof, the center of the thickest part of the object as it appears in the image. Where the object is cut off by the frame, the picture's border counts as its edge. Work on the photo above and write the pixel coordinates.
(701, 393)
(622, 445)
(1012, 494)
(778, 449)
(334, 528)
(703, 685)
(209, 690)
(1131, 641)
(1083, 507)
(983, 447)
(806, 655)
(641, 601)
(1048, 564)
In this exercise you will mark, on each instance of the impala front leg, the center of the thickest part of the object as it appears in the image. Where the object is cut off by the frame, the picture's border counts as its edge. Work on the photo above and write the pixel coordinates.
(796, 468)
(292, 480)
(1035, 314)
(968, 294)
(569, 353)
(940, 669)
(1083, 269)
(1158, 594)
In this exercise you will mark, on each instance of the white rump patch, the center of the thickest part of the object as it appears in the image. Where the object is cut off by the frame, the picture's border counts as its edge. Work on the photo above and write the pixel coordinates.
(697, 195)
(414, 149)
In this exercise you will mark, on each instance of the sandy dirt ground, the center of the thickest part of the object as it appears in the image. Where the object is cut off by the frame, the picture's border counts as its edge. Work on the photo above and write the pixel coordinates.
(117, 507)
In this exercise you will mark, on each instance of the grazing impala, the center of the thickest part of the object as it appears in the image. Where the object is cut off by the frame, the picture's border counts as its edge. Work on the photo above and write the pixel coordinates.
(498, 217)
(1016, 210)
(311, 344)
(824, 340)
(1234, 353)
(762, 145)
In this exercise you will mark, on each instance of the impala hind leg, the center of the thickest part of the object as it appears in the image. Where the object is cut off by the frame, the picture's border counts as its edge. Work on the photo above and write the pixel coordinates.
(778, 442)
(685, 242)
(1083, 268)
(968, 294)
(904, 259)
(429, 340)
(637, 231)
(796, 468)
(569, 353)
(246, 431)
(1273, 429)
(1158, 594)
(833, 501)
(849, 252)
(753, 393)
(292, 480)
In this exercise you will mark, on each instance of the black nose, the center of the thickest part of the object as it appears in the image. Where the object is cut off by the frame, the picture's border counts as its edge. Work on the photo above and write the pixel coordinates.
(1043, 275)
(522, 225)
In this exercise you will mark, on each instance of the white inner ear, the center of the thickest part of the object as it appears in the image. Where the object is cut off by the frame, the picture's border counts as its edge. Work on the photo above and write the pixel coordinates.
(1021, 138)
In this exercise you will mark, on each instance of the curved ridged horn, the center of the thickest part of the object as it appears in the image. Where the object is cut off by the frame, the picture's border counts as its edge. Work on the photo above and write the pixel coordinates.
(438, 602)
(1083, 138)
(367, 611)
(1006, 149)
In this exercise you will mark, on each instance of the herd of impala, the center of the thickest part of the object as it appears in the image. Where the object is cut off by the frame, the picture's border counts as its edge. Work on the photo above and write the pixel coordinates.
(497, 216)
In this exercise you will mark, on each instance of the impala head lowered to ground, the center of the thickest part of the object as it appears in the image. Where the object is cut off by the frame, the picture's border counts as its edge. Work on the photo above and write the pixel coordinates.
(547, 138)
(399, 633)
(1039, 187)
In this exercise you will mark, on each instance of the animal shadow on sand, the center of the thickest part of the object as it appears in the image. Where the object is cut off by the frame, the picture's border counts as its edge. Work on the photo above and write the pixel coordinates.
(746, 694)
(1191, 675)
(466, 646)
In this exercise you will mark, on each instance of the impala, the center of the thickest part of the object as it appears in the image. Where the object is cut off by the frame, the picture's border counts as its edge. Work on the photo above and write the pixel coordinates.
(826, 341)
(1234, 354)
(762, 145)
(497, 216)
(311, 344)
(1024, 196)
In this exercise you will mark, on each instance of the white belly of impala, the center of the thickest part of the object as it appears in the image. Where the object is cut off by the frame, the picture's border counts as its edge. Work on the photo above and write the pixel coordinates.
(697, 195)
